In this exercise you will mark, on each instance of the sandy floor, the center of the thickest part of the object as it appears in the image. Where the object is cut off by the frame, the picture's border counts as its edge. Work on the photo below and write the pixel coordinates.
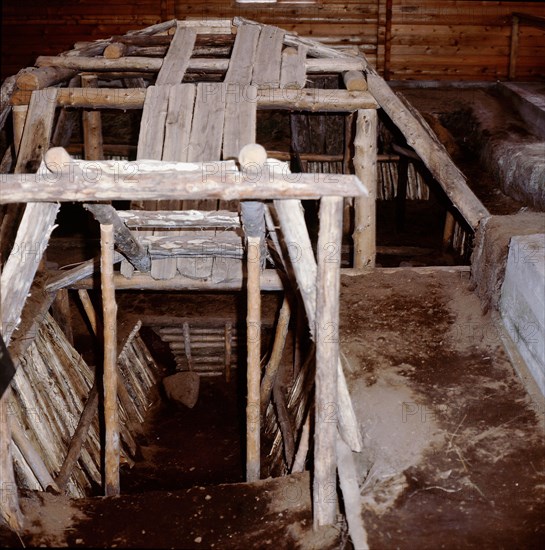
(454, 450)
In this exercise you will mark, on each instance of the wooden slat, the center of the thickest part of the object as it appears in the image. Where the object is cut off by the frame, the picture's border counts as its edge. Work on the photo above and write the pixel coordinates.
(268, 58)
(242, 57)
(293, 72)
(178, 122)
(177, 58)
(180, 219)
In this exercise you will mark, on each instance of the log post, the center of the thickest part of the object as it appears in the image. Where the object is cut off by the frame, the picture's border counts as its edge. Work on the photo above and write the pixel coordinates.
(111, 463)
(253, 327)
(92, 125)
(513, 48)
(448, 230)
(327, 354)
(401, 195)
(365, 165)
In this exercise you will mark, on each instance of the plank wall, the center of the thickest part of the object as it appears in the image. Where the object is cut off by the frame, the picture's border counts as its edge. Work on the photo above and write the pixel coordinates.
(405, 39)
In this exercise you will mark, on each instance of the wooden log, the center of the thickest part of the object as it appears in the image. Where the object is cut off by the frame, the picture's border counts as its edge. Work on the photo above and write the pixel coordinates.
(96, 185)
(78, 438)
(111, 449)
(228, 350)
(253, 327)
(125, 241)
(37, 78)
(168, 219)
(327, 356)
(348, 480)
(271, 369)
(401, 194)
(115, 50)
(513, 47)
(187, 346)
(296, 237)
(365, 166)
(283, 417)
(448, 230)
(270, 281)
(308, 99)
(92, 125)
(355, 81)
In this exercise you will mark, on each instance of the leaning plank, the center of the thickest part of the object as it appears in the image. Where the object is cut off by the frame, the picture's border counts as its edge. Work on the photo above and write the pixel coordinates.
(177, 58)
(178, 122)
(268, 57)
(242, 57)
(314, 99)
(293, 73)
(126, 243)
(152, 127)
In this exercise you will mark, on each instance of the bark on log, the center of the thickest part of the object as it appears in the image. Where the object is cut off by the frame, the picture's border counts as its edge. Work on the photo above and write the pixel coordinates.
(37, 78)
(125, 241)
(112, 449)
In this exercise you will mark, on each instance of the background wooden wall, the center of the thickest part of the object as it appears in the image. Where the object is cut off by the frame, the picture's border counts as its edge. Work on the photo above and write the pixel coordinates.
(406, 39)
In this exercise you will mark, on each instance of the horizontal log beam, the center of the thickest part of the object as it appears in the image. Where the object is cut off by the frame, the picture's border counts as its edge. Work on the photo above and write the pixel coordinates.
(171, 219)
(153, 64)
(312, 99)
(270, 281)
(211, 183)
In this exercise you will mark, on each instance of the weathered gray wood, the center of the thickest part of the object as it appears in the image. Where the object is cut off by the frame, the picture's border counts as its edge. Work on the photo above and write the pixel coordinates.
(240, 123)
(220, 219)
(293, 72)
(175, 186)
(178, 122)
(270, 281)
(241, 63)
(177, 58)
(268, 57)
(63, 279)
(314, 99)
(109, 309)
(365, 166)
(18, 113)
(327, 356)
(126, 243)
(355, 81)
(208, 117)
(152, 127)
(194, 243)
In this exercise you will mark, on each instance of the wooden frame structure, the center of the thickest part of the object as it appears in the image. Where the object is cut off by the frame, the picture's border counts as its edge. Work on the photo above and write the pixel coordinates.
(190, 138)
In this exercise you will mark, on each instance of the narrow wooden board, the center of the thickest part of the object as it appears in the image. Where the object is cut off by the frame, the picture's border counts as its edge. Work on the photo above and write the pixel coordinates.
(177, 58)
(268, 57)
(242, 57)
(293, 71)
(178, 122)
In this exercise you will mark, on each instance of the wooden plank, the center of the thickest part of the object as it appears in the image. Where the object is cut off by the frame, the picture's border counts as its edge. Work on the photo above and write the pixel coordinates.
(327, 354)
(241, 63)
(293, 73)
(268, 57)
(207, 129)
(177, 58)
(178, 122)
(152, 126)
(177, 186)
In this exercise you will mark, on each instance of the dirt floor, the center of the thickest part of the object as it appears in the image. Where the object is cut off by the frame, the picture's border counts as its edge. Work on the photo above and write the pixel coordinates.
(454, 451)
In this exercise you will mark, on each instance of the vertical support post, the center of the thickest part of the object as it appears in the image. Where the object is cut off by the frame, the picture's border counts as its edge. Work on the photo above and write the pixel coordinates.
(18, 113)
(365, 166)
(109, 308)
(401, 195)
(448, 231)
(92, 125)
(253, 336)
(187, 346)
(327, 353)
(513, 48)
(228, 350)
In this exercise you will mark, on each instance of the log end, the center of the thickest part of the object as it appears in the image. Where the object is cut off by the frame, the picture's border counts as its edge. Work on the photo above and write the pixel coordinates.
(57, 158)
(252, 154)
